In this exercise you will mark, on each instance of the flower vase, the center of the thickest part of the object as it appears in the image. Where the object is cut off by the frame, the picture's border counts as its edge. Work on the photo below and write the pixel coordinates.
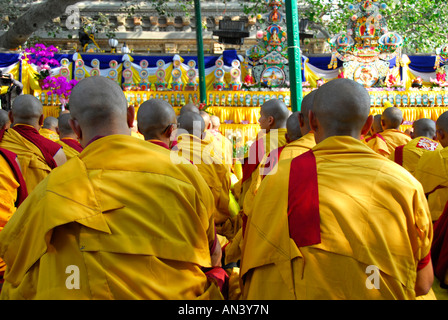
(41, 83)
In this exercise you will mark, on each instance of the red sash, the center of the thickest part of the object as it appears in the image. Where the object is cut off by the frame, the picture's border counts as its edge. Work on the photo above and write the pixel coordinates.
(439, 248)
(46, 146)
(303, 201)
(399, 155)
(271, 161)
(22, 191)
(250, 164)
(73, 143)
(159, 143)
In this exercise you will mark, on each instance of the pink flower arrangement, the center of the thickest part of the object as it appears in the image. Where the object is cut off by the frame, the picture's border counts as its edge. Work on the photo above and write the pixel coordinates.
(43, 58)
(59, 86)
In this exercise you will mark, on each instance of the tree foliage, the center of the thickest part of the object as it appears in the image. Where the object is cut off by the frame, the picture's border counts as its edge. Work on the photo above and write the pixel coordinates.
(422, 22)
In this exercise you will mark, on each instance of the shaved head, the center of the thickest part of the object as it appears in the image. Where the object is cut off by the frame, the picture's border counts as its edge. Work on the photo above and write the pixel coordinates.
(98, 101)
(341, 107)
(376, 125)
(424, 128)
(193, 123)
(206, 118)
(63, 125)
(27, 109)
(293, 127)
(50, 123)
(216, 122)
(4, 119)
(442, 129)
(277, 110)
(154, 116)
(99, 107)
(189, 107)
(392, 118)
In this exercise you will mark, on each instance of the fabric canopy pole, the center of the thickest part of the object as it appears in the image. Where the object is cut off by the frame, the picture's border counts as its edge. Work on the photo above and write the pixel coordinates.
(295, 69)
(200, 46)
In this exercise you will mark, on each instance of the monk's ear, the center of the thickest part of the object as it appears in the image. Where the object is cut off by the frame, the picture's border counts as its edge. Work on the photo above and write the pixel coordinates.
(313, 121)
(367, 125)
(75, 127)
(301, 119)
(41, 120)
(130, 116)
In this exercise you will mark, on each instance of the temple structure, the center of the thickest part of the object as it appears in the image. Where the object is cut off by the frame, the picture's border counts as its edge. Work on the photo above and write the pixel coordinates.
(146, 31)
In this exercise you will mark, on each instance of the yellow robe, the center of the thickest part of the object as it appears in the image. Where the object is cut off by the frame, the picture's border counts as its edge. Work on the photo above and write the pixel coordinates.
(49, 134)
(393, 138)
(69, 151)
(372, 213)
(136, 226)
(8, 197)
(432, 172)
(297, 147)
(32, 162)
(207, 159)
(272, 140)
(414, 149)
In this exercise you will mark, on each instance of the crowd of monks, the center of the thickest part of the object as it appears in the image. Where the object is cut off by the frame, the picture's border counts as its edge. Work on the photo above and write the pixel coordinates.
(328, 202)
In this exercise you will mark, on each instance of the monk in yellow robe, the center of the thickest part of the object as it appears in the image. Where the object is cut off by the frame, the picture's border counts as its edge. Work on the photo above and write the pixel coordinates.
(432, 171)
(342, 221)
(273, 117)
(37, 155)
(13, 192)
(67, 137)
(157, 122)
(50, 128)
(203, 154)
(423, 140)
(120, 221)
(391, 119)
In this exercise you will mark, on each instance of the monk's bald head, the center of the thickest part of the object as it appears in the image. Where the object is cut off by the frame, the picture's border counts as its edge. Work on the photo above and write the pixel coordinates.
(424, 128)
(376, 125)
(64, 126)
(189, 107)
(442, 129)
(341, 107)
(27, 109)
(206, 118)
(215, 121)
(193, 123)
(4, 119)
(277, 110)
(293, 127)
(98, 102)
(391, 118)
(50, 123)
(154, 116)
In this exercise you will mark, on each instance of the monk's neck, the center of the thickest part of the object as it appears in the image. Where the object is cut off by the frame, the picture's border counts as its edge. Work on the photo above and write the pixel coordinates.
(36, 126)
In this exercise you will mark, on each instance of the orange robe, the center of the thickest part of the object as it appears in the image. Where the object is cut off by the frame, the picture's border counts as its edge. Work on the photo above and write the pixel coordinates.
(432, 172)
(408, 155)
(35, 157)
(136, 226)
(384, 143)
(321, 231)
